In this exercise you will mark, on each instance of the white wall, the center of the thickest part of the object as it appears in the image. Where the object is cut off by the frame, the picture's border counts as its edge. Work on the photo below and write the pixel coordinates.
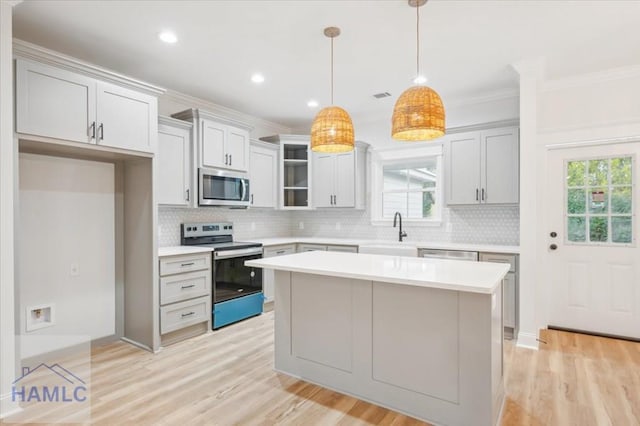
(7, 323)
(67, 216)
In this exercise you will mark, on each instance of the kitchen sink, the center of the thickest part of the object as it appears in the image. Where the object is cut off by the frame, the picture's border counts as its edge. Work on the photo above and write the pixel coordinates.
(390, 249)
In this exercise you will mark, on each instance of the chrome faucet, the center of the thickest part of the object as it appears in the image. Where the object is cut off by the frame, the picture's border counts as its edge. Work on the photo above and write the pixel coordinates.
(401, 233)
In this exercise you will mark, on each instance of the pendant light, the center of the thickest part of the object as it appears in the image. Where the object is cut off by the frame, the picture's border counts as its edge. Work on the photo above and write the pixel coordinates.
(332, 129)
(418, 114)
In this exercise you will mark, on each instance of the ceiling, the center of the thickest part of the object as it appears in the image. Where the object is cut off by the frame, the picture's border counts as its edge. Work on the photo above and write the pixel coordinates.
(466, 46)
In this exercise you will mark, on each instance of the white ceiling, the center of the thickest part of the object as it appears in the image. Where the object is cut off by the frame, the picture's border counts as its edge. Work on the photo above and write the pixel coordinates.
(466, 46)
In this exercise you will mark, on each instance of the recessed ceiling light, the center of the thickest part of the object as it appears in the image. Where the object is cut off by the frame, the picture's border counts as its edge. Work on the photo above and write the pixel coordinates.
(312, 103)
(421, 79)
(168, 37)
(257, 78)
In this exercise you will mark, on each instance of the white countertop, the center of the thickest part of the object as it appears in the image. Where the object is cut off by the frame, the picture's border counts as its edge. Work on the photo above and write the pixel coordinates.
(359, 242)
(457, 275)
(178, 250)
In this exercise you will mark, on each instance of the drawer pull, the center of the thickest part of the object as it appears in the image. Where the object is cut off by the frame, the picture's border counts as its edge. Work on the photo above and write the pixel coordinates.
(280, 252)
(188, 286)
(188, 315)
(188, 264)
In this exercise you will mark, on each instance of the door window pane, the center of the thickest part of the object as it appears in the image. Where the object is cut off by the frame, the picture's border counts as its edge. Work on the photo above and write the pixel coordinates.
(598, 171)
(576, 201)
(621, 229)
(621, 171)
(577, 231)
(576, 173)
(598, 229)
(598, 200)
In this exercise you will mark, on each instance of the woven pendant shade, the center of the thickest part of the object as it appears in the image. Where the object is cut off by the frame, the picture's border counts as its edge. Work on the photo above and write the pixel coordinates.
(332, 131)
(418, 115)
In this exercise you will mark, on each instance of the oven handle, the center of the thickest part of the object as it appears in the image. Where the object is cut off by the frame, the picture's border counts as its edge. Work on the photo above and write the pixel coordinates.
(228, 254)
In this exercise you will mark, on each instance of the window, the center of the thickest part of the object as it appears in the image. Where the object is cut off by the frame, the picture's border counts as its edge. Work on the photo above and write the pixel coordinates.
(599, 201)
(409, 184)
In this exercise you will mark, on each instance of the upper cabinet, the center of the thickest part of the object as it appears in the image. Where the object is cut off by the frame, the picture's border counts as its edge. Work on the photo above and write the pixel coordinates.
(174, 162)
(56, 103)
(482, 167)
(263, 174)
(221, 143)
(339, 178)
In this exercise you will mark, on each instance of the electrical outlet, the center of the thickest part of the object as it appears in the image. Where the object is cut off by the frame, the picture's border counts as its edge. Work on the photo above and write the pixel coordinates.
(300, 225)
(337, 226)
(74, 270)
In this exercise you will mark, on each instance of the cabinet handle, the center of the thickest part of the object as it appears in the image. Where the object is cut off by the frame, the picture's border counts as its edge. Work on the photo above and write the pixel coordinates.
(188, 314)
(482, 194)
(93, 130)
(226, 159)
(477, 194)
(184, 287)
(280, 252)
(188, 264)
(230, 159)
(101, 128)
(188, 195)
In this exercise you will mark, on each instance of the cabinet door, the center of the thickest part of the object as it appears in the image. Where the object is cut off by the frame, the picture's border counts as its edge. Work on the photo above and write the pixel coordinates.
(268, 277)
(509, 294)
(343, 249)
(263, 176)
(323, 179)
(212, 140)
(345, 180)
(501, 166)
(126, 119)
(464, 169)
(173, 165)
(54, 103)
(237, 147)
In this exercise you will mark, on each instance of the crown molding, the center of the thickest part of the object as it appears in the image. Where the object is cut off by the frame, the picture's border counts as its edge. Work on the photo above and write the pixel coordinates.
(498, 95)
(591, 78)
(30, 51)
(170, 121)
(205, 105)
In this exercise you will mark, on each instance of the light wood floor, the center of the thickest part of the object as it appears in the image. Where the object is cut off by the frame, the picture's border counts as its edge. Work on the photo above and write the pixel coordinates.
(226, 378)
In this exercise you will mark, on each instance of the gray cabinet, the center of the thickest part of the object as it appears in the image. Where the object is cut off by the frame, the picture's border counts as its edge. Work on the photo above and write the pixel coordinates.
(339, 179)
(268, 276)
(482, 167)
(174, 162)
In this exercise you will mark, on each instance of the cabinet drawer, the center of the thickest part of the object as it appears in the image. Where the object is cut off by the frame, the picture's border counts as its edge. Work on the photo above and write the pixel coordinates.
(343, 249)
(279, 250)
(500, 258)
(183, 314)
(311, 247)
(176, 288)
(185, 263)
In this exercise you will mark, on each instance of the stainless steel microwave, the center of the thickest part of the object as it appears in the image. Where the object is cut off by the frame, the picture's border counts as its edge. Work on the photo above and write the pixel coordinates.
(223, 188)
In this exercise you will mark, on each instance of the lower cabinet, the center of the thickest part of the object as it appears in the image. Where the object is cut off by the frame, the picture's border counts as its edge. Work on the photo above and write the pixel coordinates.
(311, 247)
(343, 249)
(185, 296)
(510, 290)
(268, 274)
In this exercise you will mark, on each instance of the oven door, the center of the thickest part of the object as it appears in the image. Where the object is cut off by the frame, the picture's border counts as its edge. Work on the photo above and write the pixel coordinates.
(231, 278)
(221, 188)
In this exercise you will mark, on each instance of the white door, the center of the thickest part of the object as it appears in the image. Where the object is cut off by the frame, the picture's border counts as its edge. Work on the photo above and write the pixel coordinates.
(212, 149)
(500, 164)
(464, 169)
(237, 147)
(126, 119)
(173, 166)
(262, 176)
(323, 179)
(593, 250)
(345, 180)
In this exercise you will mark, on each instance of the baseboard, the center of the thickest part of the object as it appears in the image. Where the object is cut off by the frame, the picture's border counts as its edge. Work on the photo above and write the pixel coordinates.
(527, 340)
(7, 406)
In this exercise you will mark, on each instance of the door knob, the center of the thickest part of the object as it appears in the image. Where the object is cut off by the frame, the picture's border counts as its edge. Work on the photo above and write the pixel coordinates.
(553, 246)
(553, 234)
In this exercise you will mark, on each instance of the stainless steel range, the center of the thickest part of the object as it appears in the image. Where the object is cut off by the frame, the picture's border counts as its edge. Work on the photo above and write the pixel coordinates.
(237, 289)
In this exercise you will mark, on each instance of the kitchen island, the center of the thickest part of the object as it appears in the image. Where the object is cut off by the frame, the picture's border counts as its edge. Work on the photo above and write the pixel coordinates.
(419, 336)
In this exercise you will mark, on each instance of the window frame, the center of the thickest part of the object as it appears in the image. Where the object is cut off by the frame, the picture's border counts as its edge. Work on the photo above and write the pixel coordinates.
(409, 156)
(587, 215)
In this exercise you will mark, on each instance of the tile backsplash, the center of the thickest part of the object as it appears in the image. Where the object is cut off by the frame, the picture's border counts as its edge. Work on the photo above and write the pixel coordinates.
(256, 223)
(473, 224)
